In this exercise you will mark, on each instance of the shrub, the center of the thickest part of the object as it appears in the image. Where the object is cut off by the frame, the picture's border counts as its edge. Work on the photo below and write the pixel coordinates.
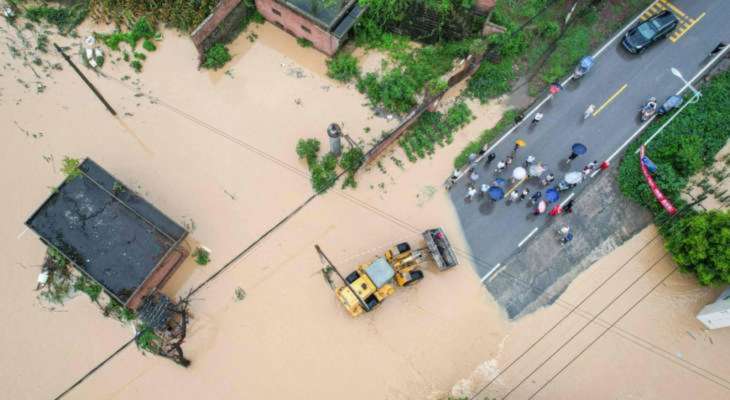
(491, 80)
(216, 57)
(149, 45)
(434, 128)
(308, 150)
(64, 18)
(323, 173)
(701, 244)
(202, 256)
(70, 167)
(351, 161)
(140, 56)
(86, 285)
(343, 67)
(304, 42)
(136, 65)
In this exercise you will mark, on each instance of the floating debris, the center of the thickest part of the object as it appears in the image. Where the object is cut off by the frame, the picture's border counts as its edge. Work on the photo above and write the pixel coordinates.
(240, 294)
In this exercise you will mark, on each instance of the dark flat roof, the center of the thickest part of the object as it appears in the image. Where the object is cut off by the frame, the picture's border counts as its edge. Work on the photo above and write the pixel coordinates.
(326, 13)
(114, 236)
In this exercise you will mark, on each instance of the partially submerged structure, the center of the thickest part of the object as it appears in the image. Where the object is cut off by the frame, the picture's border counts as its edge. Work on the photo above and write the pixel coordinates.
(325, 23)
(110, 234)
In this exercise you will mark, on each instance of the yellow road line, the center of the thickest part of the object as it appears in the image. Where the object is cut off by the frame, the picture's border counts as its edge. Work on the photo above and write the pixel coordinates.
(688, 27)
(610, 99)
(674, 8)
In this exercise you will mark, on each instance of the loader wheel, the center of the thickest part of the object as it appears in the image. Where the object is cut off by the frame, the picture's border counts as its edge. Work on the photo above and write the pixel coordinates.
(403, 247)
(352, 277)
(415, 277)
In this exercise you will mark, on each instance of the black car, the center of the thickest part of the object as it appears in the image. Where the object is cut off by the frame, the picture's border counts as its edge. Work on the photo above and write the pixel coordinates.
(638, 38)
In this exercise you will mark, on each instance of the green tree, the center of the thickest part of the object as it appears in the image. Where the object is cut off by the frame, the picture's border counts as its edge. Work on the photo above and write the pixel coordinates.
(343, 67)
(308, 150)
(701, 244)
(216, 57)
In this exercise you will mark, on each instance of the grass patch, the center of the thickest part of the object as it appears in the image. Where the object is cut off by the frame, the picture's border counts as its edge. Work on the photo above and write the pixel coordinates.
(304, 42)
(70, 167)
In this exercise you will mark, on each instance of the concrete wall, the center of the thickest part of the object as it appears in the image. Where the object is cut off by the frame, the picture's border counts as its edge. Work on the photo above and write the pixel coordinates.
(297, 25)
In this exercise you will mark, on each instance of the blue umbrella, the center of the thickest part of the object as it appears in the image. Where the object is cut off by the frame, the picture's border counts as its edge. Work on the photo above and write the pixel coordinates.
(551, 195)
(579, 148)
(495, 193)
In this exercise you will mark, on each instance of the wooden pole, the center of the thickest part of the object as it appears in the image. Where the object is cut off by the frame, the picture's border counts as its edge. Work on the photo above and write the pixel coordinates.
(89, 84)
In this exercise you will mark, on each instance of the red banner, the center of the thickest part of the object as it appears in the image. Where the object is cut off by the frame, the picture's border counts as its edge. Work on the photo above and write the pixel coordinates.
(663, 200)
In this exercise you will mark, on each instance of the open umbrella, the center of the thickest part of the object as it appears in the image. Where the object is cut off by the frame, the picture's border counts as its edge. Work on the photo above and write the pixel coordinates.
(519, 173)
(551, 195)
(573, 178)
(541, 206)
(536, 169)
(495, 193)
(579, 148)
(520, 143)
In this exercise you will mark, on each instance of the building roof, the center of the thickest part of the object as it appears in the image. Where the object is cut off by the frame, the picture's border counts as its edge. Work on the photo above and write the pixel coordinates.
(326, 13)
(107, 231)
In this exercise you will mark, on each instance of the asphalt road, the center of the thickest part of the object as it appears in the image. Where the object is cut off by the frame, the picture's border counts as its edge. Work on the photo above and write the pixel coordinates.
(618, 85)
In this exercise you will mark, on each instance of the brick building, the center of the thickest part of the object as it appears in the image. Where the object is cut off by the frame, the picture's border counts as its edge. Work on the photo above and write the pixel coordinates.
(324, 23)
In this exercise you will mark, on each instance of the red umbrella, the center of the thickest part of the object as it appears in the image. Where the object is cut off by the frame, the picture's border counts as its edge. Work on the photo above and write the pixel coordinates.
(555, 211)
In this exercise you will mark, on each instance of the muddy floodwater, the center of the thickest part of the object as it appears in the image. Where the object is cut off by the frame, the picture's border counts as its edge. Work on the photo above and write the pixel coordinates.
(215, 152)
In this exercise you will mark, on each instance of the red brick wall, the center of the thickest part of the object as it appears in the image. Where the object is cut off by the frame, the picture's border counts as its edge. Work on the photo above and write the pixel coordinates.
(295, 24)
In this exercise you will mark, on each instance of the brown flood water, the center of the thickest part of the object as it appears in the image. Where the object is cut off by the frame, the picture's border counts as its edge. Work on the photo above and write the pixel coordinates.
(216, 150)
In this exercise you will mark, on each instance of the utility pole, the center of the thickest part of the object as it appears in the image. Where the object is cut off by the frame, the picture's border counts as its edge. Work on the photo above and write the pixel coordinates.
(83, 77)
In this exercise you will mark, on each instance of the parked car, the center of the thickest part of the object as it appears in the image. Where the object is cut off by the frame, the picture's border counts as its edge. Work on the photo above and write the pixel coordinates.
(654, 28)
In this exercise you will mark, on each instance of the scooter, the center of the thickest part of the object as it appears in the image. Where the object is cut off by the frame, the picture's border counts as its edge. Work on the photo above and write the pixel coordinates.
(648, 109)
(563, 186)
(670, 104)
(585, 65)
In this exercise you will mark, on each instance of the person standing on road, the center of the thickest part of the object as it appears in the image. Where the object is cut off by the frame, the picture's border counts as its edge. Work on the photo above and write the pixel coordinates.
(473, 177)
(529, 160)
(537, 118)
(508, 160)
(490, 158)
(470, 193)
(568, 207)
(484, 190)
(589, 111)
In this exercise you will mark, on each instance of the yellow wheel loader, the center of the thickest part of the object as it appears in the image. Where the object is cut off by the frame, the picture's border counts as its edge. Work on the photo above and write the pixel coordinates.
(370, 284)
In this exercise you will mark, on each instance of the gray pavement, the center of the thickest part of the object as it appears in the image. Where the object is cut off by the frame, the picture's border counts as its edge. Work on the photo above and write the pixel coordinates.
(494, 230)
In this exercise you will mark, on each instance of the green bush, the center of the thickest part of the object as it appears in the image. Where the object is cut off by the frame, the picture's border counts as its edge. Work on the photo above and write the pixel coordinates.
(202, 256)
(351, 161)
(343, 67)
(434, 128)
(701, 244)
(323, 173)
(216, 57)
(308, 150)
(86, 285)
(140, 56)
(141, 30)
(491, 80)
(149, 45)
(70, 167)
(64, 18)
(304, 42)
(136, 65)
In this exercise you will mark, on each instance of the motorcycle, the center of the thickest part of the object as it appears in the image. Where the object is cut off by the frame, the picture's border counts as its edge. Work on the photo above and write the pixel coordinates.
(563, 186)
(648, 109)
(585, 65)
(670, 104)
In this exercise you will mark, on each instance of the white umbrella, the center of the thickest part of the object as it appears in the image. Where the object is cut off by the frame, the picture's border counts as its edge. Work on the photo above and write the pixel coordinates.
(519, 173)
(536, 170)
(573, 178)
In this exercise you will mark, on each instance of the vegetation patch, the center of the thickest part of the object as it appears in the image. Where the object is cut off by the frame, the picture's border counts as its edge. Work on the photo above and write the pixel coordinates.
(685, 147)
(142, 30)
(202, 256)
(216, 57)
(323, 171)
(434, 128)
(70, 167)
(184, 15)
(65, 19)
(343, 67)
(486, 137)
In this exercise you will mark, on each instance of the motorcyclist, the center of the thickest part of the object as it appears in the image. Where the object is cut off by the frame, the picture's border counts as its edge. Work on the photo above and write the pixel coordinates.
(649, 109)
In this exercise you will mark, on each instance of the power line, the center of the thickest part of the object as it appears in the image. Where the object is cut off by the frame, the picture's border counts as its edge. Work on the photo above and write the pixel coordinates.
(604, 332)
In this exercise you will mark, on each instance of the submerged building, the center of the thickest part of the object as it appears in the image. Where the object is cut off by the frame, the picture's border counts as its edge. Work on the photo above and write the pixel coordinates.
(325, 23)
(110, 234)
